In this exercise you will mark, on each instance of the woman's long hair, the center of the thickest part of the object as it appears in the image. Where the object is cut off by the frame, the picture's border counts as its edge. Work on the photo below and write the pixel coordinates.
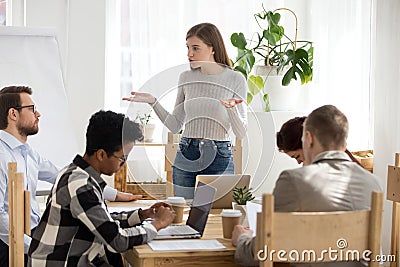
(211, 36)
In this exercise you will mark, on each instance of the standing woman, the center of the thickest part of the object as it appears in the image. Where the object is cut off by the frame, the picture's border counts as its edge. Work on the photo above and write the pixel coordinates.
(209, 104)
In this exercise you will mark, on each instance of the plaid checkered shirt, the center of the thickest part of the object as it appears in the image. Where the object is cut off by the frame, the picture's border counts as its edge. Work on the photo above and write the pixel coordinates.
(76, 225)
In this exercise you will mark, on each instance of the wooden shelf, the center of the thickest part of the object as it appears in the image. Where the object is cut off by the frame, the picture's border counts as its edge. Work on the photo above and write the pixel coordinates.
(148, 190)
(149, 144)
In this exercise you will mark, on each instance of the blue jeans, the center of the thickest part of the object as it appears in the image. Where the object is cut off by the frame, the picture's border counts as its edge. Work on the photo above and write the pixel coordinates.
(196, 157)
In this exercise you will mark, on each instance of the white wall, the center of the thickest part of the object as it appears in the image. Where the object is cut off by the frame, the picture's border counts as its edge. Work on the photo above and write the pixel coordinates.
(81, 27)
(261, 158)
(386, 80)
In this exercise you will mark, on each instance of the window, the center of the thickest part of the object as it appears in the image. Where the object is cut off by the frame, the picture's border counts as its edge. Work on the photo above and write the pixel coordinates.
(126, 54)
(3, 9)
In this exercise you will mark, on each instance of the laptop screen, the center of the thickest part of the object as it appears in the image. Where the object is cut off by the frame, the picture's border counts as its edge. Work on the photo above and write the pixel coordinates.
(224, 184)
(201, 207)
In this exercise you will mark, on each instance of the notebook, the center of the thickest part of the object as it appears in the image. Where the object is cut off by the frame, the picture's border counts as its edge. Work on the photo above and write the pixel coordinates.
(224, 184)
(198, 215)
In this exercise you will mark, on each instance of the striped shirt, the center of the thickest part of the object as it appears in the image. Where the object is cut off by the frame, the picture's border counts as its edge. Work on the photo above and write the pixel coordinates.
(76, 224)
(198, 106)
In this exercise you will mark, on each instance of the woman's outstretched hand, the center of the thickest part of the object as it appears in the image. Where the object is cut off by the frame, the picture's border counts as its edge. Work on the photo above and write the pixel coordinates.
(140, 97)
(230, 103)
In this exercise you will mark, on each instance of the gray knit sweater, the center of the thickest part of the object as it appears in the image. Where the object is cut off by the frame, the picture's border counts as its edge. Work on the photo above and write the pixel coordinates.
(198, 109)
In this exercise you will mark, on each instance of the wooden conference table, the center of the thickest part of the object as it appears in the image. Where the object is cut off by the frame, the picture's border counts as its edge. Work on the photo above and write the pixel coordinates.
(144, 256)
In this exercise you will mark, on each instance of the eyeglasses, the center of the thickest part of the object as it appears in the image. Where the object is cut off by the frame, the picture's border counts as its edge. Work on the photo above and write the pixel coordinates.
(122, 159)
(33, 107)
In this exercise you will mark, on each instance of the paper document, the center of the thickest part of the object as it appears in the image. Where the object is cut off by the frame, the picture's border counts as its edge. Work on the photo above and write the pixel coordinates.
(251, 210)
(163, 245)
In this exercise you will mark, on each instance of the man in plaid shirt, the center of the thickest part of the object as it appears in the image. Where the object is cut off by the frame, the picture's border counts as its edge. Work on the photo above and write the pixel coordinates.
(76, 225)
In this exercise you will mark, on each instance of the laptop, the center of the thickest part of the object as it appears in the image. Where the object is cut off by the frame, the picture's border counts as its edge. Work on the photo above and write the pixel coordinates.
(224, 184)
(198, 215)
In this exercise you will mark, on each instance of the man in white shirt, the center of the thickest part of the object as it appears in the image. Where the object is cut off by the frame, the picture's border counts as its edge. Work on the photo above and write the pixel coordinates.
(19, 119)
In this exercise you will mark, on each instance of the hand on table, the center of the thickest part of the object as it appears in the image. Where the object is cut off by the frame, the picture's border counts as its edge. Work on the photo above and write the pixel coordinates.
(238, 231)
(124, 197)
(163, 217)
(152, 211)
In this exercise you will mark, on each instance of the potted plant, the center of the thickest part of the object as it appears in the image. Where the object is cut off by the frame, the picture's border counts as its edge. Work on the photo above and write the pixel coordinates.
(280, 55)
(241, 195)
(148, 128)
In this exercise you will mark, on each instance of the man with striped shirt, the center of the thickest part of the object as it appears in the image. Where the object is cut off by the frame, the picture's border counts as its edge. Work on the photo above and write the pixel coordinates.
(76, 225)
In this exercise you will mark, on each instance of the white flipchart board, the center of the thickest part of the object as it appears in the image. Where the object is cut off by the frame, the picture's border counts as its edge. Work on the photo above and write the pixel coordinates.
(31, 57)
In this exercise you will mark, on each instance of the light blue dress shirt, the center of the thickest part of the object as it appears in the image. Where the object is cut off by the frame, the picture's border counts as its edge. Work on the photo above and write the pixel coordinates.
(34, 167)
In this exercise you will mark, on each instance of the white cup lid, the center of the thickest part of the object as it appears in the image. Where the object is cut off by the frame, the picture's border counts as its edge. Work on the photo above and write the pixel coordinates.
(231, 213)
(176, 200)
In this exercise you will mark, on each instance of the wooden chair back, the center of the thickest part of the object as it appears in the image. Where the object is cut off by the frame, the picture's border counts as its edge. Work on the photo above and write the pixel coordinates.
(120, 178)
(393, 194)
(305, 236)
(19, 210)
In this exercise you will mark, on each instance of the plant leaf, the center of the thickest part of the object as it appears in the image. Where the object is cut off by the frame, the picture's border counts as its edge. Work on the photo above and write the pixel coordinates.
(307, 71)
(289, 75)
(249, 98)
(270, 37)
(311, 56)
(255, 84)
(245, 59)
(266, 101)
(242, 194)
(241, 69)
(275, 18)
(300, 66)
(238, 40)
(300, 73)
(301, 54)
(250, 59)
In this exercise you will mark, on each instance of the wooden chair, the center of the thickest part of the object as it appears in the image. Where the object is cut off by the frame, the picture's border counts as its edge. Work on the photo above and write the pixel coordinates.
(19, 210)
(393, 194)
(307, 232)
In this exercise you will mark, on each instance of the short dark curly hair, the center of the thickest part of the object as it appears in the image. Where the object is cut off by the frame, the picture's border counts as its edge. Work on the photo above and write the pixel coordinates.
(109, 131)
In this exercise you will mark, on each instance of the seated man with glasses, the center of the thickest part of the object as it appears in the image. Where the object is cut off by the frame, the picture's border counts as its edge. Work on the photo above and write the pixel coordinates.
(19, 119)
(76, 225)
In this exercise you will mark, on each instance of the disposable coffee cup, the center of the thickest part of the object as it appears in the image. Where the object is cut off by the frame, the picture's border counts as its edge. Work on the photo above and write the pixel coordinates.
(176, 200)
(178, 204)
(230, 218)
(179, 213)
